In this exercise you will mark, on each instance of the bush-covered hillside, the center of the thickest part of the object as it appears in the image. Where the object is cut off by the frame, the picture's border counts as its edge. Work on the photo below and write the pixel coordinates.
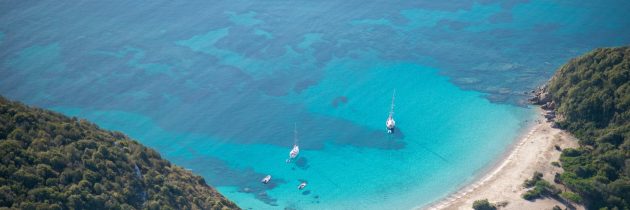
(50, 161)
(592, 97)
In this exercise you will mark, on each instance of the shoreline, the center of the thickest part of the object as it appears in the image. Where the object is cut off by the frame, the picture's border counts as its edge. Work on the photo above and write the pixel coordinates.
(508, 174)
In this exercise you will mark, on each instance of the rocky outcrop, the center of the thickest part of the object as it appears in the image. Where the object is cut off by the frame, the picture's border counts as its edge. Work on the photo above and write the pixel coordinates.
(542, 97)
(550, 105)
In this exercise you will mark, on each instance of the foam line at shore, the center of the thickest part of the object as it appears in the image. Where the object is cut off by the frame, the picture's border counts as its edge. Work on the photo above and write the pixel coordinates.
(467, 190)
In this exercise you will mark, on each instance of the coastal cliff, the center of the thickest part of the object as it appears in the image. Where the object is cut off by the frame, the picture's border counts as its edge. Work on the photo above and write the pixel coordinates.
(590, 97)
(50, 161)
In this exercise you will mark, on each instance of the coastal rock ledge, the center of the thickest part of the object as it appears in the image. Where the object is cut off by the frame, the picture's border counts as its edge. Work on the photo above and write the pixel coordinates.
(542, 97)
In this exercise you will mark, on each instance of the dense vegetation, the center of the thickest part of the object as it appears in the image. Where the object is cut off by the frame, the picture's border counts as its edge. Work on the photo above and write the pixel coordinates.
(539, 188)
(592, 97)
(50, 161)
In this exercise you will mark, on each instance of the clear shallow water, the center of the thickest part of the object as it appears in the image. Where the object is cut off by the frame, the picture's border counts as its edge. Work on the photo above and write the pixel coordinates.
(346, 157)
(217, 86)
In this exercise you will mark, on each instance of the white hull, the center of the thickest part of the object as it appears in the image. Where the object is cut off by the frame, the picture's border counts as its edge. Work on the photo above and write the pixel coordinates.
(302, 186)
(294, 152)
(266, 179)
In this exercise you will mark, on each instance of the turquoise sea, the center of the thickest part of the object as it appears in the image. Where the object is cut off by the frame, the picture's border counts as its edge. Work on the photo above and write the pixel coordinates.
(217, 86)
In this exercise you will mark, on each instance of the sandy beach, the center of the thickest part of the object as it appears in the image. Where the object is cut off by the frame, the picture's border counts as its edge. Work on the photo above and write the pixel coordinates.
(535, 151)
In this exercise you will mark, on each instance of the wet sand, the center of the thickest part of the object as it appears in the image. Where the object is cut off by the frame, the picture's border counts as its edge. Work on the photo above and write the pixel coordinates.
(535, 151)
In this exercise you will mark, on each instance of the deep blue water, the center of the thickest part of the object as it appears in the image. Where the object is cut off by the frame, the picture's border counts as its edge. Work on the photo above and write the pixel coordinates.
(216, 86)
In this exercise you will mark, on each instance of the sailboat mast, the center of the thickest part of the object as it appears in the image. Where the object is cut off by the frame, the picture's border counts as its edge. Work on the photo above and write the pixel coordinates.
(295, 134)
(391, 111)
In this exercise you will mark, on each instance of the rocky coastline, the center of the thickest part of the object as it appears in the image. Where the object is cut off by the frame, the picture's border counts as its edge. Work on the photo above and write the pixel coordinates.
(542, 97)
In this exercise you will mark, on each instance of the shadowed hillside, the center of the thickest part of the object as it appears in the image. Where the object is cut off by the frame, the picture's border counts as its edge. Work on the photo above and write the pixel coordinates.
(591, 95)
(50, 161)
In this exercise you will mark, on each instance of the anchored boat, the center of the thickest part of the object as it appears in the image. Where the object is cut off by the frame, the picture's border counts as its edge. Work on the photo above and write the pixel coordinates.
(302, 186)
(296, 149)
(266, 179)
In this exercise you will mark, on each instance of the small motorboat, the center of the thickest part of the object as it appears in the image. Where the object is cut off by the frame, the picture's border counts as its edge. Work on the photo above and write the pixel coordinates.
(266, 179)
(302, 186)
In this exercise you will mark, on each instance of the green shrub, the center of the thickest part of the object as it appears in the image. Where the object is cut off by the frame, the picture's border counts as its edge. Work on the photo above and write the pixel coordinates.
(483, 205)
(531, 195)
(531, 182)
(541, 188)
(575, 198)
(555, 163)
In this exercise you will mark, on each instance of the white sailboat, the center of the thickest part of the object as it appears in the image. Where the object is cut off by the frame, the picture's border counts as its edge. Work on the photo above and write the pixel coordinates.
(296, 149)
(266, 180)
(391, 123)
